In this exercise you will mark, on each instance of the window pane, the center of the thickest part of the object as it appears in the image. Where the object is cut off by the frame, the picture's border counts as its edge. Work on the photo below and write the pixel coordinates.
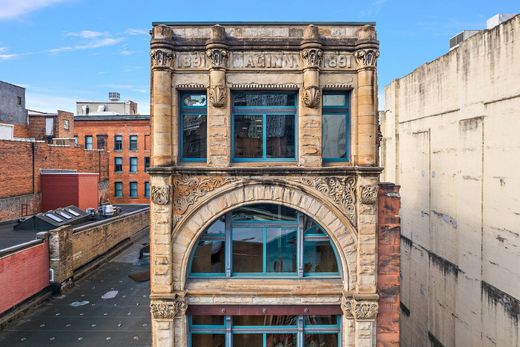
(264, 320)
(194, 100)
(264, 99)
(311, 227)
(280, 340)
(248, 136)
(318, 256)
(264, 212)
(207, 320)
(217, 228)
(194, 136)
(321, 320)
(334, 99)
(280, 136)
(209, 257)
(247, 249)
(318, 340)
(281, 250)
(208, 340)
(248, 340)
(334, 136)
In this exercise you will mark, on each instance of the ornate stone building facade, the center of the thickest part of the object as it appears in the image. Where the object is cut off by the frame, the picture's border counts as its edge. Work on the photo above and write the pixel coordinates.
(273, 124)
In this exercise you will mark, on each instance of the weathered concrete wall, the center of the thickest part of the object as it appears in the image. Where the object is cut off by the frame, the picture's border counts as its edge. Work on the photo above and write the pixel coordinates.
(11, 111)
(451, 142)
(91, 241)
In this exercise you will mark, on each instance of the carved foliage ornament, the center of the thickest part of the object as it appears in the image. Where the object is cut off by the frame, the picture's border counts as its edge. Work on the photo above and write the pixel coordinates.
(162, 58)
(360, 310)
(312, 57)
(346, 307)
(311, 97)
(160, 195)
(340, 189)
(217, 96)
(169, 309)
(369, 194)
(366, 57)
(218, 57)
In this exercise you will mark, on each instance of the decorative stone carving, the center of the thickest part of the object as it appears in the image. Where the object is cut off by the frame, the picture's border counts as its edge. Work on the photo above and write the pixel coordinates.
(188, 189)
(169, 309)
(346, 307)
(311, 96)
(217, 95)
(366, 57)
(160, 195)
(365, 310)
(162, 59)
(341, 190)
(217, 56)
(368, 194)
(312, 57)
(194, 86)
(248, 86)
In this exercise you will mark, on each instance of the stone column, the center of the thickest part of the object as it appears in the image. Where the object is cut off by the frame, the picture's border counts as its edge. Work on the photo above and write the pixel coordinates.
(165, 314)
(360, 313)
(310, 122)
(219, 118)
(366, 56)
(162, 61)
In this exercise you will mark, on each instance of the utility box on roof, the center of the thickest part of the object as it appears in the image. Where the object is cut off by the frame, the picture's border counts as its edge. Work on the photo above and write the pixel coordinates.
(61, 189)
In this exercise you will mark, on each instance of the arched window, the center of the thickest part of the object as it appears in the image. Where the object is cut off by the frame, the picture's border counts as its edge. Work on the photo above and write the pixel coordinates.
(264, 240)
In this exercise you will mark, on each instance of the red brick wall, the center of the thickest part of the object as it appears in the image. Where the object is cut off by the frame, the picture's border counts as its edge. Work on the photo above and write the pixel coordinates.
(23, 274)
(21, 131)
(37, 127)
(124, 128)
(59, 122)
(388, 280)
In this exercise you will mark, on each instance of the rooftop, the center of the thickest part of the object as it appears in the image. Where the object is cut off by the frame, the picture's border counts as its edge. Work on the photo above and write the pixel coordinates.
(117, 117)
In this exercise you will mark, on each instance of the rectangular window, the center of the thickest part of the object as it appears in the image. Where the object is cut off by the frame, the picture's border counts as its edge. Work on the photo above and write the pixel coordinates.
(118, 164)
(133, 189)
(118, 189)
(146, 189)
(146, 162)
(133, 142)
(76, 140)
(193, 128)
(264, 126)
(66, 124)
(19, 100)
(88, 142)
(100, 141)
(118, 143)
(335, 127)
(133, 164)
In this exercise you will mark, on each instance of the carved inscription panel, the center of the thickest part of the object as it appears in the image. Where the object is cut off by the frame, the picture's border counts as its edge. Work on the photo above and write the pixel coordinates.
(265, 60)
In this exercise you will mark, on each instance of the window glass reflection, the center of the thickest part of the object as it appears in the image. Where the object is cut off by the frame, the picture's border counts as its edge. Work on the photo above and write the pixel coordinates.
(280, 133)
(334, 136)
(281, 250)
(248, 136)
(318, 256)
(194, 136)
(209, 257)
(247, 249)
(208, 340)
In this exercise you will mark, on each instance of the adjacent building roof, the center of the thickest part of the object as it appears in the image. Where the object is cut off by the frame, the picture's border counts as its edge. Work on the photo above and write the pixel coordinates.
(111, 117)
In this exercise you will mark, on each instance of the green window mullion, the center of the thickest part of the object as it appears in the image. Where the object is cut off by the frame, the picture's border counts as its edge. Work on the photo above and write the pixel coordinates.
(228, 246)
(299, 247)
(264, 250)
(299, 337)
(229, 335)
(264, 136)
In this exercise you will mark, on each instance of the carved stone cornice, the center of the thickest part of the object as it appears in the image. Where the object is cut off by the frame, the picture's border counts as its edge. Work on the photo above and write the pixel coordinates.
(346, 307)
(217, 95)
(312, 96)
(312, 57)
(359, 309)
(168, 309)
(366, 58)
(217, 57)
(342, 190)
(160, 195)
(162, 59)
(369, 194)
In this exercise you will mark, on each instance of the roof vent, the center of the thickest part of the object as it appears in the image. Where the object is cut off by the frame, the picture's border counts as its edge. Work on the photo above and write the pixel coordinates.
(114, 96)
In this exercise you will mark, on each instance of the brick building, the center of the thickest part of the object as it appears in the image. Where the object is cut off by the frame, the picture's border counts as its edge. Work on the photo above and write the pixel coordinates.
(265, 224)
(127, 139)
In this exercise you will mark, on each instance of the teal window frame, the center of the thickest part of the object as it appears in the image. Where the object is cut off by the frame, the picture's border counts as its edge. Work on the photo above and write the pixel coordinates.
(191, 110)
(133, 188)
(134, 165)
(264, 111)
(340, 111)
(300, 329)
(301, 237)
(118, 189)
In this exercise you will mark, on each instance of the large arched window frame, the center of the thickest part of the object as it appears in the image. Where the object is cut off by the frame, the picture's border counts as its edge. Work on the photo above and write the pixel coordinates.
(292, 230)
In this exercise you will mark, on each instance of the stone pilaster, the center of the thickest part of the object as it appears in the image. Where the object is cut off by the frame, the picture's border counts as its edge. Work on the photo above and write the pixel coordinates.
(359, 317)
(366, 57)
(61, 256)
(219, 118)
(310, 121)
(165, 312)
(162, 62)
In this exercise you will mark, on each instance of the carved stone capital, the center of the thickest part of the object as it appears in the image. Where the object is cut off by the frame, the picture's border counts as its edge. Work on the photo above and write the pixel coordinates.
(312, 57)
(366, 58)
(369, 194)
(160, 195)
(168, 309)
(311, 96)
(365, 310)
(346, 307)
(217, 95)
(218, 57)
(162, 58)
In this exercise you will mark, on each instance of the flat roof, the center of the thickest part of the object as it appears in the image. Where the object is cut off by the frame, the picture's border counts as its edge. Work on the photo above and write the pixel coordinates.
(115, 117)
(261, 23)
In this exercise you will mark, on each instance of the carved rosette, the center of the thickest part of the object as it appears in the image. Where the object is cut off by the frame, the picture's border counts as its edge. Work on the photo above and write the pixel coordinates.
(188, 189)
(218, 57)
(341, 190)
(217, 95)
(169, 309)
(369, 194)
(312, 57)
(160, 194)
(311, 97)
(162, 59)
(365, 310)
(366, 57)
(346, 307)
